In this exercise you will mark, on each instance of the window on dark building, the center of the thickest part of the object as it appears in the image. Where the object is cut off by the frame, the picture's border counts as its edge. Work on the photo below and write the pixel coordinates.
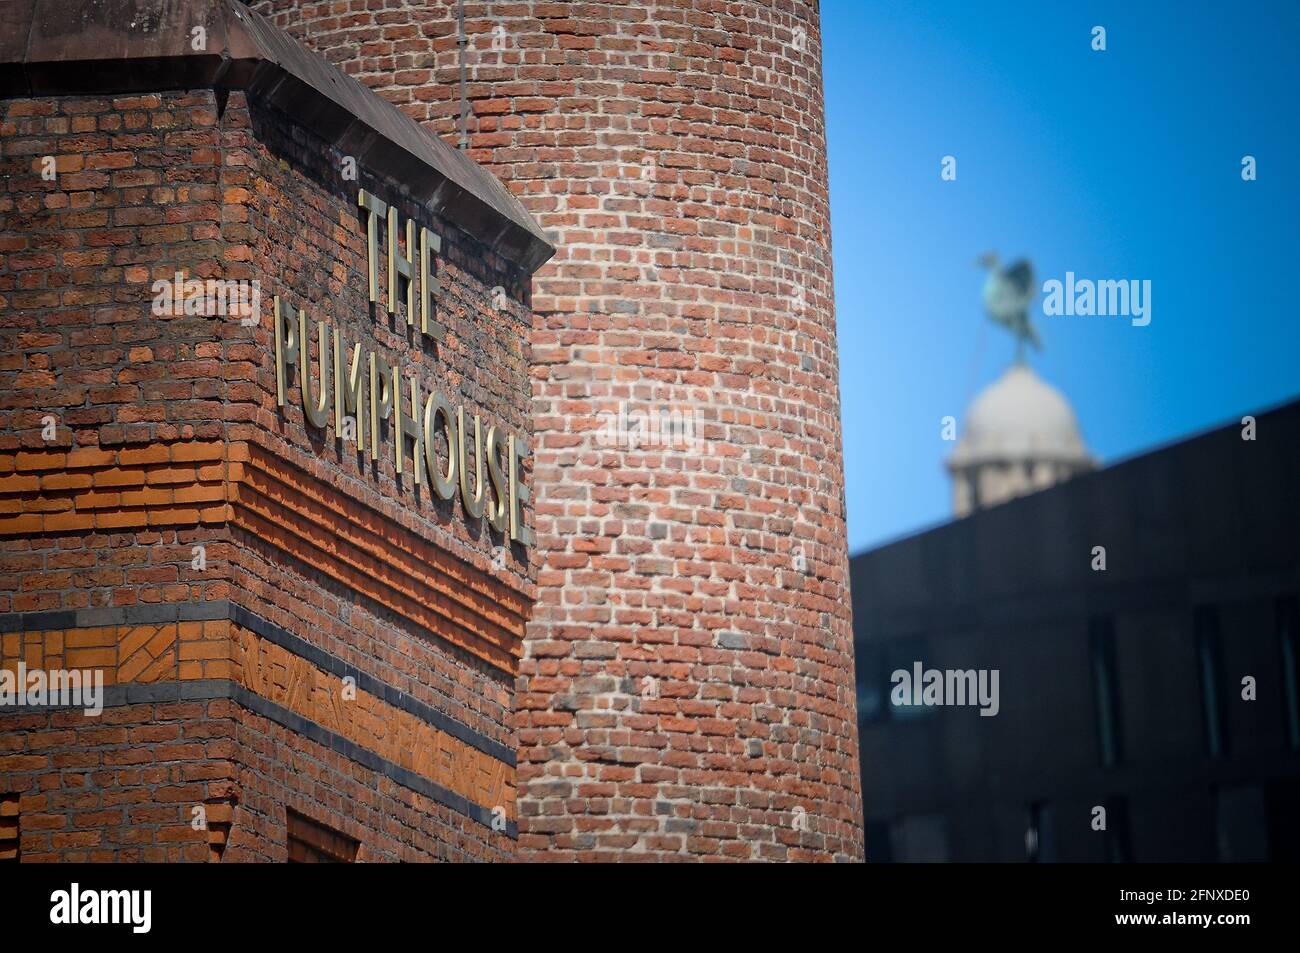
(1040, 834)
(921, 838)
(1282, 806)
(1119, 848)
(901, 655)
(1240, 822)
(311, 842)
(1209, 650)
(879, 848)
(873, 694)
(876, 663)
(1288, 633)
(1101, 650)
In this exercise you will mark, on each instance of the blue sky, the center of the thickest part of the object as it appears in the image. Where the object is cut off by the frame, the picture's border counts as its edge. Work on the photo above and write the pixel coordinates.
(1117, 164)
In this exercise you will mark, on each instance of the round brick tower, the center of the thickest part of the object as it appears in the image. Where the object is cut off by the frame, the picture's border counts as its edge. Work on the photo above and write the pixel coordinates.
(688, 686)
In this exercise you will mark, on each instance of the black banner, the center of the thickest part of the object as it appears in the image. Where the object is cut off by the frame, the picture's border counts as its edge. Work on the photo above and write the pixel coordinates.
(976, 902)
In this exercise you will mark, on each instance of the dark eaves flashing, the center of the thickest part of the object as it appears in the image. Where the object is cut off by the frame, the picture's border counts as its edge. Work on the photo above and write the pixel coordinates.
(105, 47)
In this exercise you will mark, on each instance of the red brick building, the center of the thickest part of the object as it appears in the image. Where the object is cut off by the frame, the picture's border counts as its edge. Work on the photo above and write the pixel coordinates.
(688, 686)
(307, 651)
(360, 663)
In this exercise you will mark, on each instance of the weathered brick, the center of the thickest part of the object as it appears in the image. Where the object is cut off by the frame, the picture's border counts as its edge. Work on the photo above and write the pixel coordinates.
(693, 272)
(152, 407)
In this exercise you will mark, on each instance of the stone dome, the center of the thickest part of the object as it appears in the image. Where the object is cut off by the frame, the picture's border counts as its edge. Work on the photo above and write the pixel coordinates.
(1020, 417)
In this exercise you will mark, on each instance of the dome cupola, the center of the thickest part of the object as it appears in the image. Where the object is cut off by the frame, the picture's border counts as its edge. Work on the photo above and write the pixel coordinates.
(1020, 435)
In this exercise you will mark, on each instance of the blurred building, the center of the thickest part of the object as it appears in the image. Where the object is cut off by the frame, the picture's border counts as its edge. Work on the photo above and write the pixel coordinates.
(1120, 687)
(1020, 436)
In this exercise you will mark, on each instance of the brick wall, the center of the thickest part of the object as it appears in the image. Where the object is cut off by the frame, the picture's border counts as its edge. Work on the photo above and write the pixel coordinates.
(120, 787)
(224, 684)
(688, 687)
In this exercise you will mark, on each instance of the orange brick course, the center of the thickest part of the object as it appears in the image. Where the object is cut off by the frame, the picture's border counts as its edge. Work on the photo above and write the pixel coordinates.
(216, 649)
(161, 485)
(50, 492)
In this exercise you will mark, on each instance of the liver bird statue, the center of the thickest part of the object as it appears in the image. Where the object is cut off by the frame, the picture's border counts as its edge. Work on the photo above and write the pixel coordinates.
(1008, 293)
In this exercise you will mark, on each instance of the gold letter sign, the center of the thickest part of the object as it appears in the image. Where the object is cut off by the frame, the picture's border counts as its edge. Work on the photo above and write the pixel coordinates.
(367, 389)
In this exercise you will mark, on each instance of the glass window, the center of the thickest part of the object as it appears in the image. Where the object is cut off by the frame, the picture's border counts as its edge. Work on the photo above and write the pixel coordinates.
(1288, 633)
(921, 838)
(1040, 834)
(1240, 822)
(1209, 648)
(1118, 844)
(1101, 650)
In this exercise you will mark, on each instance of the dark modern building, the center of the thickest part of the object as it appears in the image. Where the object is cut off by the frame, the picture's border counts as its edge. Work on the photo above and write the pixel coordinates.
(1125, 687)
